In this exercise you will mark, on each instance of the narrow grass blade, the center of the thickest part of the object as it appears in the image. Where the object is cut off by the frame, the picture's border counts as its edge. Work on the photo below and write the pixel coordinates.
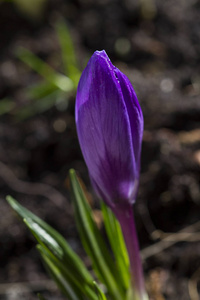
(101, 295)
(73, 279)
(117, 243)
(39, 106)
(54, 271)
(78, 287)
(45, 97)
(40, 90)
(93, 243)
(62, 82)
(68, 52)
(56, 244)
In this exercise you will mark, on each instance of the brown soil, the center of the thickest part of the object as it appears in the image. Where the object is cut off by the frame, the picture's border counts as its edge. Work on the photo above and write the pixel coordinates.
(160, 55)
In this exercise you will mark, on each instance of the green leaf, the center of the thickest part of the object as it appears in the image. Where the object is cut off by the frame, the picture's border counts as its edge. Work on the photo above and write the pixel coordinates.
(40, 90)
(55, 272)
(38, 106)
(68, 52)
(117, 243)
(93, 243)
(45, 96)
(79, 287)
(56, 98)
(101, 295)
(58, 247)
(60, 81)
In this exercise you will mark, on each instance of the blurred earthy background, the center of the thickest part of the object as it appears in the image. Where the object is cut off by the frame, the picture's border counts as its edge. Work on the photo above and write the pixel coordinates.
(157, 45)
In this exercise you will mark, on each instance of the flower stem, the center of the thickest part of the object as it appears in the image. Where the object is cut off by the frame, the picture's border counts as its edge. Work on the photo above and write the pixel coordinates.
(127, 222)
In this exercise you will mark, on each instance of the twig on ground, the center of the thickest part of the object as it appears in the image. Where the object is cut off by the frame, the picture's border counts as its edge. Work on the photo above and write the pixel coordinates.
(171, 239)
(30, 188)
(25, 287)
(192, 285)
(147, 220)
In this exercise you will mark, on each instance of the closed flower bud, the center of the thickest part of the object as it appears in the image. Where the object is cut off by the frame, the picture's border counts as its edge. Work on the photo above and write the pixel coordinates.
(109, 123)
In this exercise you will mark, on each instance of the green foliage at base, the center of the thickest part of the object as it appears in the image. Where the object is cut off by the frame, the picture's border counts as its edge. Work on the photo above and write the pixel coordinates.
(64, 265)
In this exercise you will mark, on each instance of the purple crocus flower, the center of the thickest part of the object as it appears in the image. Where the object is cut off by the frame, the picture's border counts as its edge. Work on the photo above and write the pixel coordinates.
(110, 127)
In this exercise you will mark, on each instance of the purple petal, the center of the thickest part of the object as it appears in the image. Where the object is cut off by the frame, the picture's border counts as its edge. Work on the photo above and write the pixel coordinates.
(134, 113)
(105, 130)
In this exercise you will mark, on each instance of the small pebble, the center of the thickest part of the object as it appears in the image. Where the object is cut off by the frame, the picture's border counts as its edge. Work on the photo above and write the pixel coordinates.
(167, 85)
